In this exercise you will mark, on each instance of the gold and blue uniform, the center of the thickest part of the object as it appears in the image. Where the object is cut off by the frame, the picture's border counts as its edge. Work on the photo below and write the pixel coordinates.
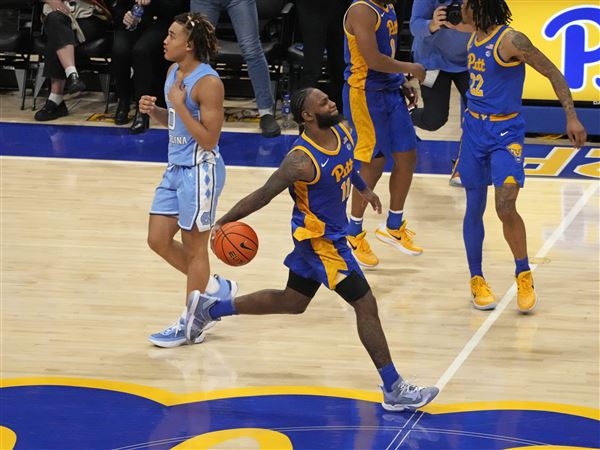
(319, 218)
(493, 128)
(373, 101)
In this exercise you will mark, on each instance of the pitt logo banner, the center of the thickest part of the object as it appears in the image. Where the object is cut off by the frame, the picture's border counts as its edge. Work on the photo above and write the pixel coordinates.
(568, 32)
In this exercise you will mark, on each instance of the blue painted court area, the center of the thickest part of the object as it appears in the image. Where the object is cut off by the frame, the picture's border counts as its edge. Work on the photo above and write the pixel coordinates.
(251, 149)
(134, 417)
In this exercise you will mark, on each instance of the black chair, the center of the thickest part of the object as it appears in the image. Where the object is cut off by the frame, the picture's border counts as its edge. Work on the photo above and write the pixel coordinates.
(275, 22)
(16, 19)
(90, 56)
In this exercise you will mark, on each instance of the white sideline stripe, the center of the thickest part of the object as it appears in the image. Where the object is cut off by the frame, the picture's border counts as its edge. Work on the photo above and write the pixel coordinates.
(267, 169)
(485, 326)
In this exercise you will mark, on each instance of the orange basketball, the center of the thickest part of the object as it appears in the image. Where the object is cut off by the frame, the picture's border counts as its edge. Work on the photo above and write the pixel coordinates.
(235, 244)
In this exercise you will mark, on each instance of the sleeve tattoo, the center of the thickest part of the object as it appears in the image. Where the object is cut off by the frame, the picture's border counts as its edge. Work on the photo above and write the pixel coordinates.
(529, 54)
(297, 166)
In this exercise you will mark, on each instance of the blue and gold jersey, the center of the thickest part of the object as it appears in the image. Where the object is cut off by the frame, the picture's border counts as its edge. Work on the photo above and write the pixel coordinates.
(496, 86)
(320, 204)
(183, 149)
(357, 73)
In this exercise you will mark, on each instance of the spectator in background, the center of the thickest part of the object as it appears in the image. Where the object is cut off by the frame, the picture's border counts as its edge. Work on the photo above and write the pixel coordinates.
(443, 49)
(244, 19)
(67, 24)
(321, 25)
(142, 50)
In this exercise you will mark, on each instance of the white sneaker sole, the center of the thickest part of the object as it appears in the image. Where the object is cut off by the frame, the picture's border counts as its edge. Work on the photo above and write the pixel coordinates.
(383, 236)
(399, 408)
(178, 343)
(484, 308)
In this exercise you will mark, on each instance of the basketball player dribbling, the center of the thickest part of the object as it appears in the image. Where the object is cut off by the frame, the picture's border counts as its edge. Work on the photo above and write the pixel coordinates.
(318, 172)
(186, 198)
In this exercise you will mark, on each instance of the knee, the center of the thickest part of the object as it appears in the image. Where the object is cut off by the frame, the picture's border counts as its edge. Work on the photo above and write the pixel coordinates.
(366, 305)
(251, 49)
(506, 210)
(296, 307)
(292, 302)
(54, 21)
(157, 244)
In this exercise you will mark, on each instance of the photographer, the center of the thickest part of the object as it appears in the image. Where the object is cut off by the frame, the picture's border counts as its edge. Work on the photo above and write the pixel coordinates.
(443, 52)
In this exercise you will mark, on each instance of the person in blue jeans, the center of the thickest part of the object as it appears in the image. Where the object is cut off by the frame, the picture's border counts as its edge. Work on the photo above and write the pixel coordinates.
(438, 48)
(244, 19)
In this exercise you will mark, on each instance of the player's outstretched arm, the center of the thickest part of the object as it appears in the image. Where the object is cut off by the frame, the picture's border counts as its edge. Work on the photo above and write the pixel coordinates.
(296, 166)
(518, 46)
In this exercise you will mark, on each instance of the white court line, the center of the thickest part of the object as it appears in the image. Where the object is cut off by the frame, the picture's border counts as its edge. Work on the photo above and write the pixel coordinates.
(263, 168)
(485, 326)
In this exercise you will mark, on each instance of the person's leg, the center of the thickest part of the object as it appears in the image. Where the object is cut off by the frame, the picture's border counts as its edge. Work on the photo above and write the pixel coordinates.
(161, 231)
(121, 71)
(403, 144)
(461, 81)
(244, 19)
(436, 103)
(398, 395)
(313, 27)
(210, 8)
(195, 247)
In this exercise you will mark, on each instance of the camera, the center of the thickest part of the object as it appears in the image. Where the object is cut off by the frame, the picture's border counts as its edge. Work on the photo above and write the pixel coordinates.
(453, 12)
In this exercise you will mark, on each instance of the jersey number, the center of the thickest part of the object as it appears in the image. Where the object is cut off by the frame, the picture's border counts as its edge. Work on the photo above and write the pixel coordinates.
(476, 84)
(171, 119)
(346, 189)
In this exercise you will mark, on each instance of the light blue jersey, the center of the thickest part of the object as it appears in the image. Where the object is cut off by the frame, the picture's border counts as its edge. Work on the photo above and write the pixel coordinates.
(183, 149)
(193, 181)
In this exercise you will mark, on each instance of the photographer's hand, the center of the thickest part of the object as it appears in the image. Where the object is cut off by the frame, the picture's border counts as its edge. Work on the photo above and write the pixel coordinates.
(438, 20)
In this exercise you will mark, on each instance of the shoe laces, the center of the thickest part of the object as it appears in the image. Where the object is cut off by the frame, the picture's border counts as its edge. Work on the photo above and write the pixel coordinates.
(176, 327)
(480, 287)
(404, 234)
(407, 389)
(525, 283)
(362, 244)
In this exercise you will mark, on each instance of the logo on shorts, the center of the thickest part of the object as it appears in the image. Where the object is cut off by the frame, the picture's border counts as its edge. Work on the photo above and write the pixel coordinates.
(516, 150)
(205, 218)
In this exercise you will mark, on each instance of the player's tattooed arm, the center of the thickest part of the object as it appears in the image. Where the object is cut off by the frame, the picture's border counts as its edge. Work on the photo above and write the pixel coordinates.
(518, 46)
(296, 166)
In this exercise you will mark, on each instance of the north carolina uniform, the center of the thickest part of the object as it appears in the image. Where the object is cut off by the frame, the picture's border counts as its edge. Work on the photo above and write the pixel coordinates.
(194, 178)
(319, 219)
(493, 128)
(373, 102)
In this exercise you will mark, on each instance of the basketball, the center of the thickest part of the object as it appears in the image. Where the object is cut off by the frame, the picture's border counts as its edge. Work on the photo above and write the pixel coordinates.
(235, 243)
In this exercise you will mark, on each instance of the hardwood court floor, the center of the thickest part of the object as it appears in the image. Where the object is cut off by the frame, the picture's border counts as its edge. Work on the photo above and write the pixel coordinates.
(81, 291)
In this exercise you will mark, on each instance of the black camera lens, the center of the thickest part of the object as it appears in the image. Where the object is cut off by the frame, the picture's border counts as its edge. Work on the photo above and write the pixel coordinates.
(454, 13)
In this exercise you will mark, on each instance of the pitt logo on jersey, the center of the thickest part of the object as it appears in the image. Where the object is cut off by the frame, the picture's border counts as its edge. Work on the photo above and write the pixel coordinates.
(516, 150)
(341, 171)
(476, 64)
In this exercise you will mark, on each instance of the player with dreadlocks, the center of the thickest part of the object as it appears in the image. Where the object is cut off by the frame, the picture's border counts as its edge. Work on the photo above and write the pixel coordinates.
(186, 198)
(318, 172)
(493, 137)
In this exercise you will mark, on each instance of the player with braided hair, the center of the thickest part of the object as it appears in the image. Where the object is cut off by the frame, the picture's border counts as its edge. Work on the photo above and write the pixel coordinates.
(186, 199)
(493, 137)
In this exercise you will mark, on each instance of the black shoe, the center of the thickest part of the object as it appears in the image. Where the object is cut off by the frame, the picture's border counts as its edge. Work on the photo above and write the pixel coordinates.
(51, 111)
(74, 84)
(269, 126)
(122, 114)
(141, 122)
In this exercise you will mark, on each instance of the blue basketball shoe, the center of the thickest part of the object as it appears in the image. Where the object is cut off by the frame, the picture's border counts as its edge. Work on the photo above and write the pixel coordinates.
(174, 335)
(407, 397)
(198, 317)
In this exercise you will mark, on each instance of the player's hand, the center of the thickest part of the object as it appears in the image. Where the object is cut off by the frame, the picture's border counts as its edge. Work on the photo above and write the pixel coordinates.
(438, 19)
(58, 5)
(213, 234)
(410, 93)
(177, 92)
(147, 104)
(418, 71)
(128, 19)
(143, 2)
(576, 132)
(372, 198)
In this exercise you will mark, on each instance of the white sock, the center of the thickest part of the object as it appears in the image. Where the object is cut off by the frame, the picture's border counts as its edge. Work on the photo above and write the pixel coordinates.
(69, 70)
(397, 212)
(56, 98)
(356, 219)
(212, 286)
(264, 112)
